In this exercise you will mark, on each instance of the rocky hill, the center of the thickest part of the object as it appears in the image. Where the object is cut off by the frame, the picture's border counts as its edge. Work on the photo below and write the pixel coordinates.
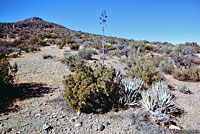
(30, 23)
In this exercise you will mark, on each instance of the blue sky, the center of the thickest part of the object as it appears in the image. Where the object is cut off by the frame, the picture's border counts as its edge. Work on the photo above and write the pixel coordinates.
(174, 21)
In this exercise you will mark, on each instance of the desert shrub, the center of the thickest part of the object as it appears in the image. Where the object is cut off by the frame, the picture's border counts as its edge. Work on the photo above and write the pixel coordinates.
(126, 50)
(74, 46)
(61, 44)
(86, 53)
(7, 74)
(96, 45)
(145, 70)
(190, 74)
(69, 40)
(167, 65)
(184, 89)
(91, 90)
(178, 48)
(142, 47)
(73, 62)
(188, 50)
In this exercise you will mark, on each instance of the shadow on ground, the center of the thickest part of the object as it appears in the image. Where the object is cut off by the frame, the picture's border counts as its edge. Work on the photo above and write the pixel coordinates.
(21, 92)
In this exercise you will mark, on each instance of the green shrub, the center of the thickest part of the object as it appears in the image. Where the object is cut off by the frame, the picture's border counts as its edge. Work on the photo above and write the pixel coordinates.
(190, 74)
(96, 45)
(145, 70)
(74, 46)
(91, 90)
(86, 53)
(7, 74)
(167, 65)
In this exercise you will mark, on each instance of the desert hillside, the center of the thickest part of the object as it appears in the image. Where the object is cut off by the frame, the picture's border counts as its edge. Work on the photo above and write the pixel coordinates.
(53, 81)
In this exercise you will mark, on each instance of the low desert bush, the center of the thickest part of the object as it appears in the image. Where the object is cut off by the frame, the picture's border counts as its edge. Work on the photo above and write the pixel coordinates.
(86, 53)
(91, 90)
(167, 65)
(190, 74)
(188, 50)
(96, 45)
(74, 46)
(145, 70)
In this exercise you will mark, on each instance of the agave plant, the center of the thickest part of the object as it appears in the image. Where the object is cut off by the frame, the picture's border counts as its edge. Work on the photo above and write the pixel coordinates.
(130, 92)
(159, 98)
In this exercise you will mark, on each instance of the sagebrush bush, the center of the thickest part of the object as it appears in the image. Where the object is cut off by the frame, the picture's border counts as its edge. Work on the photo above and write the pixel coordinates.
(190, 74)
(73, 62)
(91, 90)
(86, 53)
(188, 50)
(74, 46)
(145, 70)
(167, 65)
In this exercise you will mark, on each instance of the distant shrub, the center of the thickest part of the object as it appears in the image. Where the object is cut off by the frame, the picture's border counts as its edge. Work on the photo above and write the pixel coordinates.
(96, 45)
(86, 53)
(190, 74)
(142, 47)
(91, 90)
(73, 62)
(167, 65)
(74, 46)
(188, 50)
(69, 40)
(184, 89)
(145, 70)
(126, 50)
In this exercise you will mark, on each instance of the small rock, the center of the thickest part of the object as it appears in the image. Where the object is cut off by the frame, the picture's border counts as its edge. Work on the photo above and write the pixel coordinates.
(79, 124)
(4, 132)
(37, 115)
(90, 126)
(46, 127)
(72, 120)
(101, 127)
(9, 130)
(78, 113)
(106, 123)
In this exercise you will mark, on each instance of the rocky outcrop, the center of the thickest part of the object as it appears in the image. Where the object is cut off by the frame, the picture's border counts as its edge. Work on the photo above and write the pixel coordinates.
(30, 23)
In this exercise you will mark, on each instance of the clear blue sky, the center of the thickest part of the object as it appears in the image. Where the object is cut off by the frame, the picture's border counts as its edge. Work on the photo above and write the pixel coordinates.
(175, 21)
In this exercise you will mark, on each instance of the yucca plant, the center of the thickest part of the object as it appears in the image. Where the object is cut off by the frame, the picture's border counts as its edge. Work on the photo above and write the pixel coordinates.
(130, 91)
(159, 98)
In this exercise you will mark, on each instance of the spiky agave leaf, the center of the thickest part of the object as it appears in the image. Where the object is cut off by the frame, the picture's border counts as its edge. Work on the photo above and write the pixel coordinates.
(130, 91)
